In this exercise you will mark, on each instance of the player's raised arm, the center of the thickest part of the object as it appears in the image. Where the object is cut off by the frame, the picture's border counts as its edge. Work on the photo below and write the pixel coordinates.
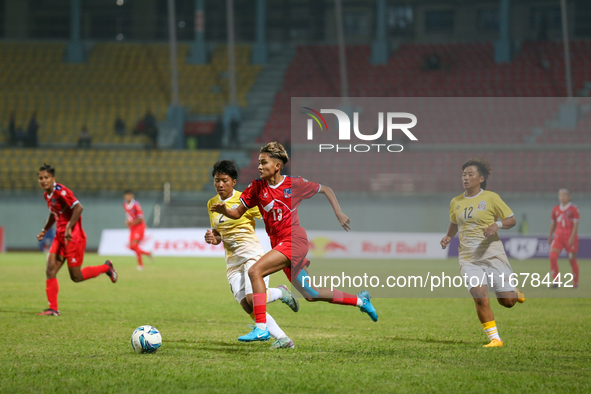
(452, 230)
(332, 198)
(500, 224)
(232, 213)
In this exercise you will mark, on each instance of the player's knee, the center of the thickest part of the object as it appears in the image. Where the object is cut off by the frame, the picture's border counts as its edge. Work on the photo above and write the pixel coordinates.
(507, 302)
(254, 273)
(76, 277)
(481, 301)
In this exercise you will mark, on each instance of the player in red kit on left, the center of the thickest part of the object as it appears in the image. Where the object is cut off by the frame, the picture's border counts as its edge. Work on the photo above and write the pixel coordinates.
(70, 239)
(134, 219)
(563, 235)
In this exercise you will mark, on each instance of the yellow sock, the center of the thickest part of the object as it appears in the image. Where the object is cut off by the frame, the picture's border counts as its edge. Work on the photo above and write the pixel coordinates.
(490, 328)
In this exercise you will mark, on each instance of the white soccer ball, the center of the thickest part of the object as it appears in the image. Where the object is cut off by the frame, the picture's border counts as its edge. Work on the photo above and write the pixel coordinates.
(146, 339)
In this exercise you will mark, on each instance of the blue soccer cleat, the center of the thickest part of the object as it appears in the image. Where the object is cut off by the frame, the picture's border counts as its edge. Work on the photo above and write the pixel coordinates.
(367, 307)
(256, 335)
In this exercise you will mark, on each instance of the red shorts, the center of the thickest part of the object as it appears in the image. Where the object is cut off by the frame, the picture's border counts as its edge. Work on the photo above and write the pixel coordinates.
(73, 252)
(561, 242)
(136, 233)
(295, 247)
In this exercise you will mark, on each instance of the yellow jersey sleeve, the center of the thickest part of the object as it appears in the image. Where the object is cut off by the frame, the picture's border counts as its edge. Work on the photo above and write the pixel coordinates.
(209, 205)
(500, 209)
(452, 214)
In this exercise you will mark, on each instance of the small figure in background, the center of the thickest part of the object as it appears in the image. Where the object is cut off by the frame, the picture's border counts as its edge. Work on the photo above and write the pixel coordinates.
(119, 126)
(31, 140)
(84, 139)
(523, 227)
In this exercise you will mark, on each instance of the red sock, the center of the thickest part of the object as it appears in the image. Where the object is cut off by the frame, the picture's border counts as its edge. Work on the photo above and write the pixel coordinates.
(553, 264)
(341, 298)
(94, 271)
(51, 289)
(575, 267)
(259, 301)
(138, 252)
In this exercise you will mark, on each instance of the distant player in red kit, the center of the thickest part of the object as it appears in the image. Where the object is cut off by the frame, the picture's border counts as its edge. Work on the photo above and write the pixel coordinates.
(70, 240)
(134, 219)
(278, 197)
(565, 223)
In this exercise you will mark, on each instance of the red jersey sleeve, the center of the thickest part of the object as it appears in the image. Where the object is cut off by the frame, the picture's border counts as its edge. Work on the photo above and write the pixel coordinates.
(68, 197)
(138, 210)
(576, 214)
(250, 196)
(303, 188)
(553, 214)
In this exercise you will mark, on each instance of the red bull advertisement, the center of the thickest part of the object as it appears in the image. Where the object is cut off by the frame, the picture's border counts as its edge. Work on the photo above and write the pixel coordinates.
(369, 245)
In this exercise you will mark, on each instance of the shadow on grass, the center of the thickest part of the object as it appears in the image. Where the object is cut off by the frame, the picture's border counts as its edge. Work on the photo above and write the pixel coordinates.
(224, 346)
(432, 340)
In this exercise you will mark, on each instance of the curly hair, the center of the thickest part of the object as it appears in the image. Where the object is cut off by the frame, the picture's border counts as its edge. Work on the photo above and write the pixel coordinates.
(276, 150)
(483, 166)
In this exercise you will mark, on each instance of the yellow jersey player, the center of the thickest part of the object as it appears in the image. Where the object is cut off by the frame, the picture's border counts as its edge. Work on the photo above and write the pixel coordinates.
(478, 214)
(243, 249)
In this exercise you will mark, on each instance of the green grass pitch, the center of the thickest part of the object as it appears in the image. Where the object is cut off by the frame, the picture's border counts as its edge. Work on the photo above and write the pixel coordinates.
(418, 345)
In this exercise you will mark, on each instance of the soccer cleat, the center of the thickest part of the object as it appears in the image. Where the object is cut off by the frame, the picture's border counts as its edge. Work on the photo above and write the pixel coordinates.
(283, 343)
(111, 273)
(140, 267)
(151, 256)
(520, 296)
(495, 343)
(49, 312)
(256, 335)
(288, 298)
(367, 307)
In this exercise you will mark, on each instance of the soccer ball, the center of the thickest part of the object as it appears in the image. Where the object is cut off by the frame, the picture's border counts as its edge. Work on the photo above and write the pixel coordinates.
(146, 339)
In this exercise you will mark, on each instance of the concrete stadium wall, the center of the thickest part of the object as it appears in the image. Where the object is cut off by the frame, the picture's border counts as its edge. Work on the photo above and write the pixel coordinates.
(23, 218)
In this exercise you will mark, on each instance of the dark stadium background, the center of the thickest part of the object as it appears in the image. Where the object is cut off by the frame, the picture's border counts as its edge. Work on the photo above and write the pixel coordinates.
(84, 63)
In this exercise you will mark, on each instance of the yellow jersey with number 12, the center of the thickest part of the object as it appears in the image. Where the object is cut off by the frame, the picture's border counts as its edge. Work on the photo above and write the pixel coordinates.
(240, 241)
(473, 215)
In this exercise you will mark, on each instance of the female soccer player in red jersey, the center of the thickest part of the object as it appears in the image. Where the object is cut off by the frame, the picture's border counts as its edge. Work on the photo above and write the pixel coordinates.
(134, 220)
(70, 240)
(278, 197)
(563, 235)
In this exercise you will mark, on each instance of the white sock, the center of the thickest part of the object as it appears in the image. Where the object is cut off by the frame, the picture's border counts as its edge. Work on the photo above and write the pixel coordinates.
(359, 301)
(490, 328)
(273, 294)
(261, 326)
(274, 329)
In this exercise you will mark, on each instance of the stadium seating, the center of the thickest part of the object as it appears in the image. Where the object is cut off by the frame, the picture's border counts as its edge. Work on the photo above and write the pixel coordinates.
(108, 170)
(435, 172)
(467, 70)
(118, 79)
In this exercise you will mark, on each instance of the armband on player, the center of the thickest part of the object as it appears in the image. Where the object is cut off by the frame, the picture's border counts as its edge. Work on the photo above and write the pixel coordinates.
(499, 223)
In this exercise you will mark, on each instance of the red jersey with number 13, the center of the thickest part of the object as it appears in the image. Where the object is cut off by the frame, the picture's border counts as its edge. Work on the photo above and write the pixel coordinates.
(565, 217)
(278, 204)
(60, 202)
